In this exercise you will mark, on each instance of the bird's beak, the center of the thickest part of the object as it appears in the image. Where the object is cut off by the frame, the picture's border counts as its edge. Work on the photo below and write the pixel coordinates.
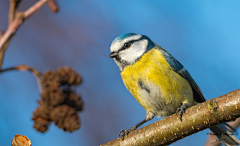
(113, 55)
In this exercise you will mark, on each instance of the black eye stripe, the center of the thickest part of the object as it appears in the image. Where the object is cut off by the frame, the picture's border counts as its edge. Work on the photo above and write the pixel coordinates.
(130, 42)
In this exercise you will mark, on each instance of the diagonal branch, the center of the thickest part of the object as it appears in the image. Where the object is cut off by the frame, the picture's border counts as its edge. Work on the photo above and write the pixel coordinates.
(1, 33)
(6, 37)
(33, 9)
(11, 15)
(170, 129)
(20, 17)
(16, 22)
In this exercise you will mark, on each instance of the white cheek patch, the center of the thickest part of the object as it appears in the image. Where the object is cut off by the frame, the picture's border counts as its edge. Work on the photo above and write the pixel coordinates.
(134, 52)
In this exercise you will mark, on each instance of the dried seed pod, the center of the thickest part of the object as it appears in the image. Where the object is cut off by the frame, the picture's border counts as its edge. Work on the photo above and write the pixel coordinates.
(59, 103)
(78, 80)
(66, 118)
(68, 76)
(53, 96)
(74, 100)
(51, 78)
(64, 74)
(41, 111)
(41, 118)
(41, 124)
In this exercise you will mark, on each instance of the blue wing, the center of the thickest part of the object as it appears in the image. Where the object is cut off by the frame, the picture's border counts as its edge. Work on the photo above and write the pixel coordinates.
(179, 68)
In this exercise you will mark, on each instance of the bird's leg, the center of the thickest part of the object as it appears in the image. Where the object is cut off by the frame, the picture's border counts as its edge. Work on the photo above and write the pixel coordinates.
(149, 116)
(182, 110)
(122, 133)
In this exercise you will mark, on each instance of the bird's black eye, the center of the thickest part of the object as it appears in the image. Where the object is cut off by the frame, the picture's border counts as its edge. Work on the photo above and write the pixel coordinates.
(127, 45)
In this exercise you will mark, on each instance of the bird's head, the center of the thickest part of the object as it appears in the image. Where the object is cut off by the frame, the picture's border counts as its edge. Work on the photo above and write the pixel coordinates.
(127, 48)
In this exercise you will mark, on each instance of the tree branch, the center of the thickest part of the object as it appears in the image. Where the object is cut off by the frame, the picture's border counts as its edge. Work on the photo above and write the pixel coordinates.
(33, 9)
(11, 15)
(1, 33)
(36, 72)
(12, 10)
(170, 129)
(16, 22)
(20, 17)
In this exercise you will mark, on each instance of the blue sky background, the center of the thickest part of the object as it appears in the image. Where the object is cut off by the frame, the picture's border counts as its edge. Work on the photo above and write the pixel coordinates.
(203, 35)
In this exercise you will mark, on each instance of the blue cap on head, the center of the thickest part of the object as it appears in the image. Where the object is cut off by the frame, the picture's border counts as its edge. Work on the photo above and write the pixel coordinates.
(123, 36)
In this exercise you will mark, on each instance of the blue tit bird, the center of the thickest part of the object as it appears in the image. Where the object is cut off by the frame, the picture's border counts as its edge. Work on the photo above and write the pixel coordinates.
(158, 81)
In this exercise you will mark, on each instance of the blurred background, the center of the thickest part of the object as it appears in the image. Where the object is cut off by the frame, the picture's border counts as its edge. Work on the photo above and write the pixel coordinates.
(203, 35)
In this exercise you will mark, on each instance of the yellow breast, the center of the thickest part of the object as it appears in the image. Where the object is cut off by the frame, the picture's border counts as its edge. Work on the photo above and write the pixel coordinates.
(167, 89)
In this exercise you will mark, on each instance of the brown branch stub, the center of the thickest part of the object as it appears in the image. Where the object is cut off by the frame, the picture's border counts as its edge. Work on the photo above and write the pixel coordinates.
(12, 10)
(52, 5)
(21, 140)
(11, 13)
(1, 33)
(196, 118)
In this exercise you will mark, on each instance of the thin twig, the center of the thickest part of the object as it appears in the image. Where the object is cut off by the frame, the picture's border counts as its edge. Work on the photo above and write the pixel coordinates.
(1, 33)
(6, 38)
(199, 117)
(36, 72)
(15, 24)
(34, 8)
(12, 10)
(19, 20)
(11, 15)
(3, 50)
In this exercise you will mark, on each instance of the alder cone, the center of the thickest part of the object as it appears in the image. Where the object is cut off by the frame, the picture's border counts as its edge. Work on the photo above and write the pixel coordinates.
(41, 118)
(65, 117)
(53, 96)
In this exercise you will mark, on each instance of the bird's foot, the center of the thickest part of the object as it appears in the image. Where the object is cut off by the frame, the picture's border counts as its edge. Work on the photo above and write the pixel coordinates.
(122, 133)
(182, 110)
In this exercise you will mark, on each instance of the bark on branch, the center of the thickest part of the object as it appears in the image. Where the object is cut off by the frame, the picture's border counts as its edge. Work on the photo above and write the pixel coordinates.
(170, 129)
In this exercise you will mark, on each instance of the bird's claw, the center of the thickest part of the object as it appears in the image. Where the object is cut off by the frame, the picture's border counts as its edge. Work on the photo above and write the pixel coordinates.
(122, 133)
(182, 110)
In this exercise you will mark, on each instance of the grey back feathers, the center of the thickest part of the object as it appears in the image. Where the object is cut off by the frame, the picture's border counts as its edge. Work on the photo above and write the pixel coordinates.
(179, 68)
